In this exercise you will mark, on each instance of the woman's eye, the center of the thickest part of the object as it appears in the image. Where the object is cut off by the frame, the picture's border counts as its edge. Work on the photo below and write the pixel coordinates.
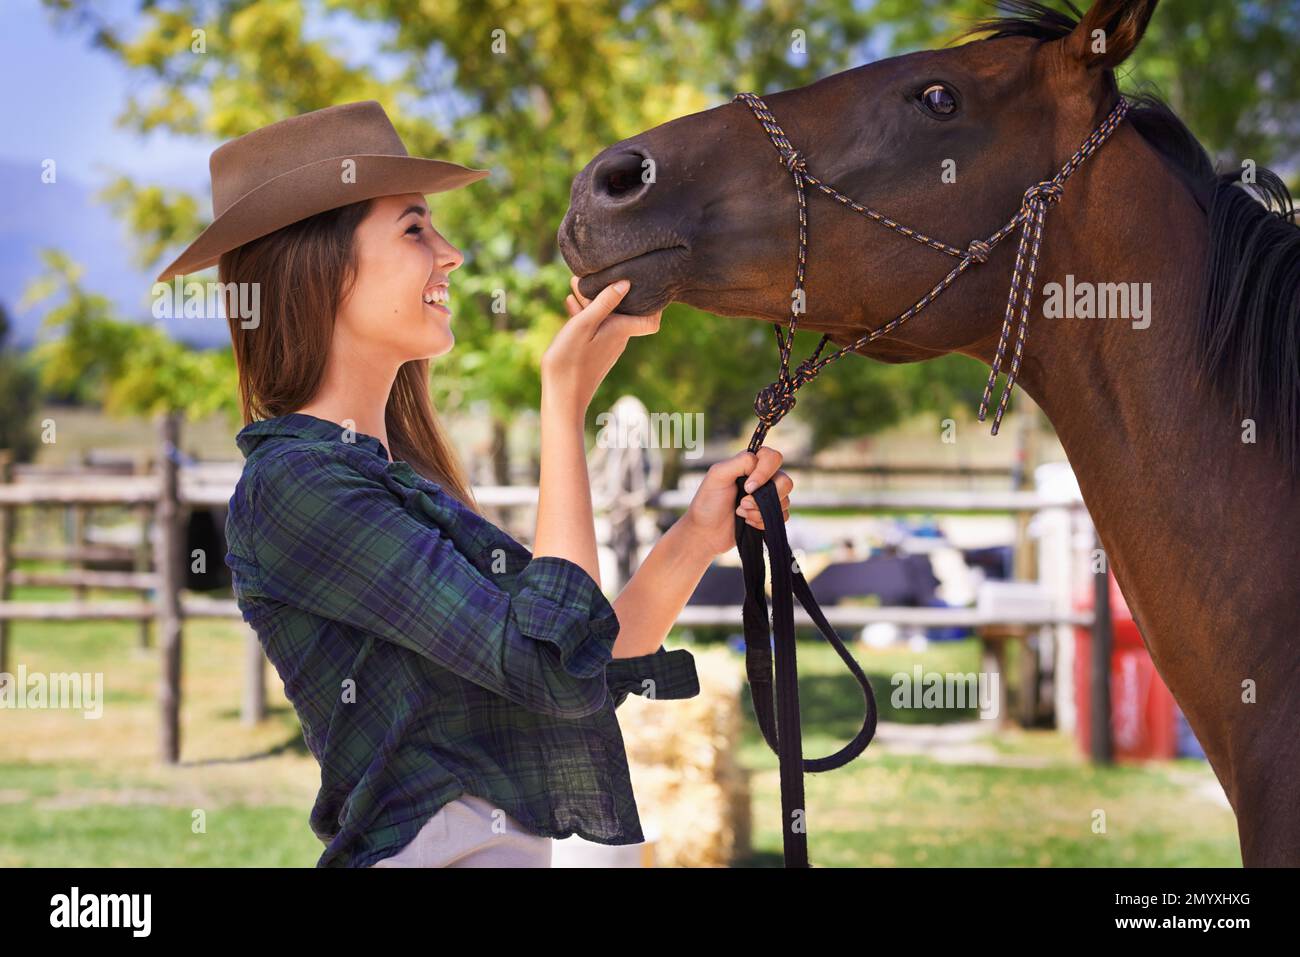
(938, 99)
(417, 229)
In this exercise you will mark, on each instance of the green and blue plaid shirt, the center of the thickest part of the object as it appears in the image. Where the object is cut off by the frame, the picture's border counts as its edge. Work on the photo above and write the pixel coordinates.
(426, 652)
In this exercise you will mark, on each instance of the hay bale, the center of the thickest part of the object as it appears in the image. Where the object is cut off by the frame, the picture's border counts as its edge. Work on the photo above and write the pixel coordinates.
(691, 792)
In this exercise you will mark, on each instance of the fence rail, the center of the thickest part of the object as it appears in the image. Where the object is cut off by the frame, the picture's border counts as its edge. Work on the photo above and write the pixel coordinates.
(902, 501)
(859, 616)
(171, 490)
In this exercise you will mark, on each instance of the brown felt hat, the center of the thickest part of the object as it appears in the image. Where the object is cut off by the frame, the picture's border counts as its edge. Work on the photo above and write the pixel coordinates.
(306, 164)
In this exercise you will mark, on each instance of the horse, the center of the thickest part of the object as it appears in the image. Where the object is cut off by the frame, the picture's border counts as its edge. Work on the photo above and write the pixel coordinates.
(1183, 428)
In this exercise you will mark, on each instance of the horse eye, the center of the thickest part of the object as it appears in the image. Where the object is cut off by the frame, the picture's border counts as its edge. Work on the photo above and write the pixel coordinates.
(938, 99)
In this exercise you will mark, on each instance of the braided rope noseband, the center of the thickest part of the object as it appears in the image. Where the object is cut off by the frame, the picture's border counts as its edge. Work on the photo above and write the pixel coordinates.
(774, 401)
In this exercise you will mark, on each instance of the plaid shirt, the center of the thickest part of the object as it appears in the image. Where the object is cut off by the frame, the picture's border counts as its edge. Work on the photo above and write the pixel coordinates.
(426, 652)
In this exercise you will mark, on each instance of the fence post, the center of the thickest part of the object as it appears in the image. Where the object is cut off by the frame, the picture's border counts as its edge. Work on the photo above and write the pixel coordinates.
(143, 560)
(81, 520)
(167, 566)
(1025, 564)
(8, 519)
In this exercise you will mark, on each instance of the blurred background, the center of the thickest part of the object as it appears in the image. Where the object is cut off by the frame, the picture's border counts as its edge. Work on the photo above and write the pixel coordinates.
(938, 549)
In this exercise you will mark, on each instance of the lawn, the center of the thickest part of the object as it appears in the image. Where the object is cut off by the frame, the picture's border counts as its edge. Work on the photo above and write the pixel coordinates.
(84, 792)
(1029, 799)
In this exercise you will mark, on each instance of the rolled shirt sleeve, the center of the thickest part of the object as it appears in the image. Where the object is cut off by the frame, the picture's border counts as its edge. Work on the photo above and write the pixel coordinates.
(338, 543)
(663, 674)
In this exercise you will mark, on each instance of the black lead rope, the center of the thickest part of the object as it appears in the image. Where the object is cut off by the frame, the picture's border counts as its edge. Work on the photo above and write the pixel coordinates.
(783, 734)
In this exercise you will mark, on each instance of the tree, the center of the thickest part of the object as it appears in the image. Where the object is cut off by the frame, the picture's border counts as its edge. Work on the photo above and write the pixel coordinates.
(496, 84)
(1230, 70)
(134, 369)
(19, 397)
(533, 90)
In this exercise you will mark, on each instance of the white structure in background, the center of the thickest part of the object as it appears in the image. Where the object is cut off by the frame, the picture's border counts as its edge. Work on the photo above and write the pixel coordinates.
(1065, 543)
(626, 469)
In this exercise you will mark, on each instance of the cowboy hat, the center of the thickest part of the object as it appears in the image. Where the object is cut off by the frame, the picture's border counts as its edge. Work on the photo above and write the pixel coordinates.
(306, 164)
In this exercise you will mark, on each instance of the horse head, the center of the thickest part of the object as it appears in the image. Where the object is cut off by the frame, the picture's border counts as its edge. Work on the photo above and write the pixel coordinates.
(701, 210)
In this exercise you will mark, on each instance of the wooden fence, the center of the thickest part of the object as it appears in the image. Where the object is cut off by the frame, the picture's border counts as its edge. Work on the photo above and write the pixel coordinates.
(166, 495)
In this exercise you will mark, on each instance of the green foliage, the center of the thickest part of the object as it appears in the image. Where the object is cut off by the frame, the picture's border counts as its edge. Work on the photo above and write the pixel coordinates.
(134, 369)
(1230, 70)
(160, 219)
(19, 396)
(527, 112)
(533, 91)
(855, 397)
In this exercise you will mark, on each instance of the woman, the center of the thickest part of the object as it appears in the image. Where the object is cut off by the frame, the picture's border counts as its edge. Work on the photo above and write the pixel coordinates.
(457, 690)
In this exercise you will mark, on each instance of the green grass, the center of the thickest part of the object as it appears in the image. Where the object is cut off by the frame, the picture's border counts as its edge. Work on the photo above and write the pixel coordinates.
(79, 792)
(888, 809)
(76, 791)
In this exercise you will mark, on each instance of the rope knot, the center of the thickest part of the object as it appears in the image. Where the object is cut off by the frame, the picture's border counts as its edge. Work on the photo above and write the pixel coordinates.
(979, 250)
(793, 160)
(774, 401)
(1047, 192)
(804, 372)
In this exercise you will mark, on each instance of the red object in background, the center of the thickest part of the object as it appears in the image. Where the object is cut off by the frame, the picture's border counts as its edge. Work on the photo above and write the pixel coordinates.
(1143, 723)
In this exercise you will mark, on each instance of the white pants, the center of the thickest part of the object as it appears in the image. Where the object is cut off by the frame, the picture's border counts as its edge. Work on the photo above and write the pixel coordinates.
(472, 832)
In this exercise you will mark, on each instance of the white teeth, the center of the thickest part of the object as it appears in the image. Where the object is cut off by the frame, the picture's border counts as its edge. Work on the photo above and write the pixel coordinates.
(437, 294)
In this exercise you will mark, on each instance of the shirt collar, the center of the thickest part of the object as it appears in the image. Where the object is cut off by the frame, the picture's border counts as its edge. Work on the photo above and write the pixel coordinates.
(304, 426)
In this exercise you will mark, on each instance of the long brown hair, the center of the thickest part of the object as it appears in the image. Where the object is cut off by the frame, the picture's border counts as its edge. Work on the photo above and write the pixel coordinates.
(304, 272)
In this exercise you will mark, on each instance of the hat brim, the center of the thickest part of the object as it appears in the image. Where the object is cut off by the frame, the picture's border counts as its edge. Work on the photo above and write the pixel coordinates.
(312, 189)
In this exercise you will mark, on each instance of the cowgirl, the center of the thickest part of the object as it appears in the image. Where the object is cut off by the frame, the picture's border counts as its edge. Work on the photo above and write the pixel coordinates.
(458, 690)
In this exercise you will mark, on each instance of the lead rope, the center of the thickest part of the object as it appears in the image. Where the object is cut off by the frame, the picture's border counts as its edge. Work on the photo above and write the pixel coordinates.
(782, 731)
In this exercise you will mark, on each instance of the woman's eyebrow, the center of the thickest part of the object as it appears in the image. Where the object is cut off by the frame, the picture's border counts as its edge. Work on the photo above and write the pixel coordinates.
(415, 208)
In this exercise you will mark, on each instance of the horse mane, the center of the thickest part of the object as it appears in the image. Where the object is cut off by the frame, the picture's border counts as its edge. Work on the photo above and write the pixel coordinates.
(1248, 320)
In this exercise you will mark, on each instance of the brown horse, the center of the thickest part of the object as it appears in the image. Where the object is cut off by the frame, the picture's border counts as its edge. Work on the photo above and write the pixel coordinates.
(1184, 433)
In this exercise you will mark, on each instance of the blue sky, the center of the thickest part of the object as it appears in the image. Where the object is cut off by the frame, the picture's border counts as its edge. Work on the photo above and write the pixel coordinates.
(60, 98)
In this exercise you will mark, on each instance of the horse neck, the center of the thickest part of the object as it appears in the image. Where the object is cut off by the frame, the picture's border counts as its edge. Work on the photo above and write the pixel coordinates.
(1200, 527)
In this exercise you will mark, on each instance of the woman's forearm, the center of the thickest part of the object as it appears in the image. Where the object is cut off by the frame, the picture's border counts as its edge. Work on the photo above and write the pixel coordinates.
(649, 604)
(565, 525)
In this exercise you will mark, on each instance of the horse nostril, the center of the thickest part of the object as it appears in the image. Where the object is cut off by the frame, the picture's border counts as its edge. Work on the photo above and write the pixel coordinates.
(621, 178)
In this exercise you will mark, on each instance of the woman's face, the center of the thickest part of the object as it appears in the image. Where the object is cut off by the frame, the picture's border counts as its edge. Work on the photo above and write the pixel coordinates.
(402, 261)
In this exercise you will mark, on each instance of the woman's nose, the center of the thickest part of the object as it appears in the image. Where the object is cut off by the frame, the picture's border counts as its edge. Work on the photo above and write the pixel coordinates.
(450, 256)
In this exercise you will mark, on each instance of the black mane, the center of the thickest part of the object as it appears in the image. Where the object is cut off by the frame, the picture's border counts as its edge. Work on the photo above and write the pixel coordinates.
(1248, 323)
